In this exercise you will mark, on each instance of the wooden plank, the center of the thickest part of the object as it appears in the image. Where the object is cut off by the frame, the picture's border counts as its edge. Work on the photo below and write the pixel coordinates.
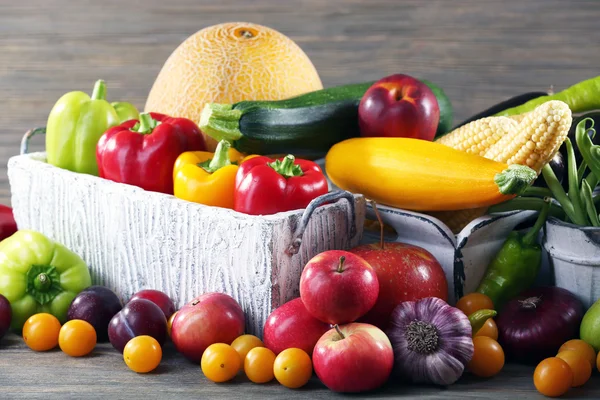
(480, 54)
(25, 374)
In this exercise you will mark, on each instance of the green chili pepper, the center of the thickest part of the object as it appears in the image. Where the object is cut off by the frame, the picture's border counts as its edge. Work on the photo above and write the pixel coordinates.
(76, 123)
(516, 265)
(478, 318)
(581, 97)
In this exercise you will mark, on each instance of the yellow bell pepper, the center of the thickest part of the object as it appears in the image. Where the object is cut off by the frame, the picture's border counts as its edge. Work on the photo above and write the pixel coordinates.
(207, 178)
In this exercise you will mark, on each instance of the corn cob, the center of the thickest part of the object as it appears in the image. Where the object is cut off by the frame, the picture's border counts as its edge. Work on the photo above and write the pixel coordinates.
(478, 136)
(534, 143)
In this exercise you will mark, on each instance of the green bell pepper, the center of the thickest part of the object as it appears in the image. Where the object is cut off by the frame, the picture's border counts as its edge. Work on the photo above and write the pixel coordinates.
(39, 275)
(517, 264)
(76, 123)
(125, 111)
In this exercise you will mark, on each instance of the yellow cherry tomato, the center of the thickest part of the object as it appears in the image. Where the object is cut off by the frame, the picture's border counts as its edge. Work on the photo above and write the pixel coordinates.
(220, 362)
(553, 377)
(77, 338)
(488, 357)
(293, 368)
(581, 347)
(258, 365)
(582, 370)
(40, 332)
(142, 354)
(243, 344)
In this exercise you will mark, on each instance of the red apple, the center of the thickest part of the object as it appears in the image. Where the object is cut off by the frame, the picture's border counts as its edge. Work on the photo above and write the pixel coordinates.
(292, 326)
(338, 287)
(159, 298)
(405, 273)
(208, 319)
(399, 106)
(353, 358)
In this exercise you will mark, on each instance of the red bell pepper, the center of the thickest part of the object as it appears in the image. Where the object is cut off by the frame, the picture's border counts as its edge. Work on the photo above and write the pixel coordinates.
(143, 153)
(265, 186)
(8, 225)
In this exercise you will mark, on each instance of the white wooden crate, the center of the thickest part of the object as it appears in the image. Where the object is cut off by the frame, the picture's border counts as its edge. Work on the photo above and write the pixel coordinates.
(133, 239)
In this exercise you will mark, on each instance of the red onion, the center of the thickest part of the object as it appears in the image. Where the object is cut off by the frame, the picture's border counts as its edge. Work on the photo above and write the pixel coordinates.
(535, 324)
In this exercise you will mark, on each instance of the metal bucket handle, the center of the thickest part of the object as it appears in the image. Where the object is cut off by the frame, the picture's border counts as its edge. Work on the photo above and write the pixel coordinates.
(27, 136)
(312, 206)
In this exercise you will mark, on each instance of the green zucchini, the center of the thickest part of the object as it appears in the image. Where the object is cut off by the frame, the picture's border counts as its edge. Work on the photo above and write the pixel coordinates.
(306, 125)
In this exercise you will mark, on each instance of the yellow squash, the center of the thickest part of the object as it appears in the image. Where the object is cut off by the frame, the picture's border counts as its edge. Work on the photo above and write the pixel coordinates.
(420, 175)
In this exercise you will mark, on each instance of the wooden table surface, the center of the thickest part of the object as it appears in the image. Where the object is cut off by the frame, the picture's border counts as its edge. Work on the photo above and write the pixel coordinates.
(480, 52)
(104, 375)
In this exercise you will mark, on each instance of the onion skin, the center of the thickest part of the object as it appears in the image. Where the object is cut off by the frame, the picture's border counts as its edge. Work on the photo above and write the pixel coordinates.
(530, 335)
(446, 364)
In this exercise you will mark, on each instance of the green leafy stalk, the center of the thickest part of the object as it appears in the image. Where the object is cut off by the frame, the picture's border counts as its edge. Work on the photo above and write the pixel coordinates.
(527, 203)
(586, 194)
(534, 191)
(531, 236)
(589, 151)
(558, 192)
(592, 180)
(574, 194)
(581, 171)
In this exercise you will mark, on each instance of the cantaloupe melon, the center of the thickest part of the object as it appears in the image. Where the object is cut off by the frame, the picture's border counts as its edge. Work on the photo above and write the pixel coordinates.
(228, 63)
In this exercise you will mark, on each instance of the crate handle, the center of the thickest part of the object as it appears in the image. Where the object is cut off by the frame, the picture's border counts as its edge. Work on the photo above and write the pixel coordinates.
(312, 206)
(27, 136)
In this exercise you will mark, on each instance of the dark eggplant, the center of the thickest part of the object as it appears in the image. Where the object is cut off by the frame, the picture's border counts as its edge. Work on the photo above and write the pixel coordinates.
(557, 163)
(510, 103)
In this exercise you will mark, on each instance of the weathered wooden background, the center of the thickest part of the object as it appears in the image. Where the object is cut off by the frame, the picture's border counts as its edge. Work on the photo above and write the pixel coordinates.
(480, 52)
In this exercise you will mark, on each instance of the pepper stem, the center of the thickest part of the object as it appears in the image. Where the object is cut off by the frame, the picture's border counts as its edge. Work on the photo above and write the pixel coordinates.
(339, 331)
(146, 124)
(287, 167)
(99, 92)
(42, 282)
(515, 179)
(220, 158)
(340, 267)
(532, 235)
(478, 319)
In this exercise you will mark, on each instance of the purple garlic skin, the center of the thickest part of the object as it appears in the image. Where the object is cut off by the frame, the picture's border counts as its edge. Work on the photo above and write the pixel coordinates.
(432, 341)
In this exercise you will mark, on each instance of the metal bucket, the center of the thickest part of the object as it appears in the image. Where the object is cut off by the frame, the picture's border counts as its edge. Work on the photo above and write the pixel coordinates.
(574, 257)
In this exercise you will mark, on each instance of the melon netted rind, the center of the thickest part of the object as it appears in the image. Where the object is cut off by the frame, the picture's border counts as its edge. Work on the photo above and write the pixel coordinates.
(228, 63)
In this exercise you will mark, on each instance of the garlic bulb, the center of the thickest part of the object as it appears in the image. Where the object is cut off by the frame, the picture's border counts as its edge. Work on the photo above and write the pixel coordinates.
(432, 341)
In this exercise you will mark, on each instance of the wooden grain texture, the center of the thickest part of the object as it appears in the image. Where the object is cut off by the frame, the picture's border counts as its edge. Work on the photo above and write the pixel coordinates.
(133, 239)
(480, 52)
(104, 375)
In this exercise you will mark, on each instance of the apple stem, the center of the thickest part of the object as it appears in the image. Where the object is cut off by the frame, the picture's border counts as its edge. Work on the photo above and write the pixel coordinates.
(381, 241)
(337, 329)
(340, 268)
